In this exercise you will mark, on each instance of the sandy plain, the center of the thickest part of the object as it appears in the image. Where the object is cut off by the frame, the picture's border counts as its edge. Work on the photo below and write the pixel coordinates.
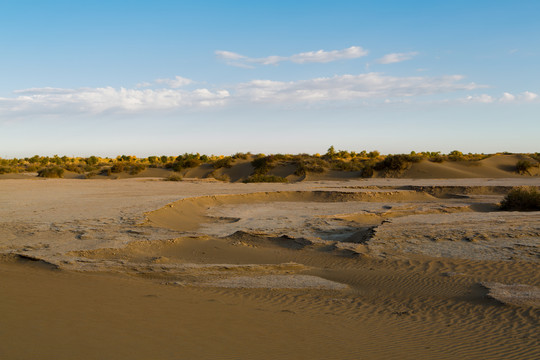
(359, 269)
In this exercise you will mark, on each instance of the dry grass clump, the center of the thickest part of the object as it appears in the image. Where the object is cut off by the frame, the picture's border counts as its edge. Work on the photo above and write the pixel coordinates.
(173, 177)
(523, 167)
(524, 198)
(265, 178)
(221, 177)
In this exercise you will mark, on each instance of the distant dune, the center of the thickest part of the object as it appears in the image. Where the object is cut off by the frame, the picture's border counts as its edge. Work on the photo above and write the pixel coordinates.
(289, 168)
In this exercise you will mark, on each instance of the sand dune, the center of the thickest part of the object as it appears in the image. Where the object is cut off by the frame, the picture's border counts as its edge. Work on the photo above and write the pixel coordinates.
(378, 269)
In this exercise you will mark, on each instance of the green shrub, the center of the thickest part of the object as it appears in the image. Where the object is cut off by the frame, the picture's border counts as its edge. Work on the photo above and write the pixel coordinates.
(242, 156)
(225, 162)
(456, 156)
(263, 164)
(92, 160)
(7, 170)
(306, 164)
(51, 172)
(394, 163)
(118, 167)
(436, 158)
(191, 163)
(186, 161)
(367, 170)
(135, 169)
(342, 165)
(522, 199)
(74, 168)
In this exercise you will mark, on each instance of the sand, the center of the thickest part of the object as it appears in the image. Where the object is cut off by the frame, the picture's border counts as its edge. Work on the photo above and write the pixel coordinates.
(375, 269)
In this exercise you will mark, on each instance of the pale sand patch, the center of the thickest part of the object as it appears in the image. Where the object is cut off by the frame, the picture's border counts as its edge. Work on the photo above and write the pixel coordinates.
(514, 294)
(278, 282)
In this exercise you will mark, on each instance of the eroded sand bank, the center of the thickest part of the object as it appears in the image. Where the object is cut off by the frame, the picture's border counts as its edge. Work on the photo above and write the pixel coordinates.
(379, 268)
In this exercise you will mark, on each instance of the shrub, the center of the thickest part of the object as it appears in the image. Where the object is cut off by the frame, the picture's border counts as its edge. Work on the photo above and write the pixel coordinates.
(74, 168)
(186, 161)
(265, 178)
(367, 170)
(342, 165)
(134, 169)
(118, 167)
(225, 162)
(394, 163)
(456, 156)
(263, 164)
(436, 158)
(523, 166)
(331, 152)
(305, 165)
(173, 177)
(242, 156)
(522, 199)
(191, 163)
(51, 172)
(30, 168)
(92, 160)
(373, 154)
(7, 170)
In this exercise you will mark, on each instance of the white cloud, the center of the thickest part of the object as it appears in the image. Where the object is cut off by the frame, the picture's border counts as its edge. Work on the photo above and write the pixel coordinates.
(175, 83)
(320, 56)
(107, 99)
(229, 55)
(396, 57)
(483, 98)
(359, 89)
(507, 97)
(349, 87)
(525, 96)
(528, 96)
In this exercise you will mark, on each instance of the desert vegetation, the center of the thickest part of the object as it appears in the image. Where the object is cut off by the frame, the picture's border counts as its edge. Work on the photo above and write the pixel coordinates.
(51, 172)
(358, 164)
(524, 166)
(524, 198)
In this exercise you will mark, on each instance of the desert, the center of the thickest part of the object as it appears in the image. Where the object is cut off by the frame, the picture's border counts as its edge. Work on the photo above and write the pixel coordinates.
(269, 180)
(331, 265)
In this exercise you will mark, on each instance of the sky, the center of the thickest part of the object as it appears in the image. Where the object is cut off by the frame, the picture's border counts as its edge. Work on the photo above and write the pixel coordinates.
(82, 78)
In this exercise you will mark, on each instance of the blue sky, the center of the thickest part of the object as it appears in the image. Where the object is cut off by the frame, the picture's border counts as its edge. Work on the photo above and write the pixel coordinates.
(168, 77)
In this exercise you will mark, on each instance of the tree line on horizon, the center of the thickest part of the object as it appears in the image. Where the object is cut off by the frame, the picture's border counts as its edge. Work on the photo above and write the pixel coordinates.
(341, 160)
